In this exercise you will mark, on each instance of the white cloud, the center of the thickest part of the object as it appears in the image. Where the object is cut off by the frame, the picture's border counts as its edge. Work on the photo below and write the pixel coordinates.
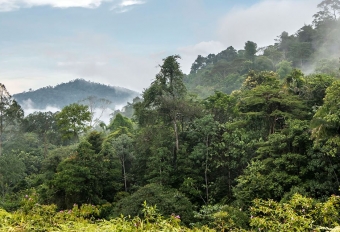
(89, 56)
(126, 5)
(8, 5)
(131, 3)
(264, 21)
(190, 53)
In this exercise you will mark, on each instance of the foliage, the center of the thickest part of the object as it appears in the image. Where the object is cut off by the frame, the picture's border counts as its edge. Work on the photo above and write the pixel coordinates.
(298, 214)
(169, 201)
(260, 128)
(11, 115)
(327, 121)
(85, 177)
(73, 120)
(33, 216)
(221, 218)
(120, 121)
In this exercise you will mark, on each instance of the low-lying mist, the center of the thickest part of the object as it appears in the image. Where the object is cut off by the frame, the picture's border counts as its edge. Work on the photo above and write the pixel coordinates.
(99, 114)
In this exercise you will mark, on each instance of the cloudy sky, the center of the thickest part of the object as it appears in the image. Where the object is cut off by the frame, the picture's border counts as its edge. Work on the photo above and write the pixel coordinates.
(121, 42)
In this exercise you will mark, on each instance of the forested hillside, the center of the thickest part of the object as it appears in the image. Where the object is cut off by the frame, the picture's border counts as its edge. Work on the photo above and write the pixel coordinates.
(264, 157)
(73, 92)
(314, 48)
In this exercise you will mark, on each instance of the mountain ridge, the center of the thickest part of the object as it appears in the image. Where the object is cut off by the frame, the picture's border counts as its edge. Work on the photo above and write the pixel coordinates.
(72, 92)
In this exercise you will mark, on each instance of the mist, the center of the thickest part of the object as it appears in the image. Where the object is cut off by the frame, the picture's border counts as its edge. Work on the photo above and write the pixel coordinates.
(99, 114)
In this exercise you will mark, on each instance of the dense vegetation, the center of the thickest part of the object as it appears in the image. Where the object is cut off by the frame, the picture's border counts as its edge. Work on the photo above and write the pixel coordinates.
(264, 157)
(73, 92)
(313, 48)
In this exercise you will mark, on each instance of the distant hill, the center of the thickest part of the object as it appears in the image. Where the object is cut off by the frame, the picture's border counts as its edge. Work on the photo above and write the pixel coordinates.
(313, 49)
(73, 92)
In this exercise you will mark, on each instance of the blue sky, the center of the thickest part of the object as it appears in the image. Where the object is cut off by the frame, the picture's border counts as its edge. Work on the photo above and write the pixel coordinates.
(121, 42)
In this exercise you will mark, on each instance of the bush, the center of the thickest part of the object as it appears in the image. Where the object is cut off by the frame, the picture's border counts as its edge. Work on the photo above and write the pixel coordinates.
(168, 201)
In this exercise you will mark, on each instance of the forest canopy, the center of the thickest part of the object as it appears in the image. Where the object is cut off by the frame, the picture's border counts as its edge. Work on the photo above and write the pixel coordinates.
(248, 141)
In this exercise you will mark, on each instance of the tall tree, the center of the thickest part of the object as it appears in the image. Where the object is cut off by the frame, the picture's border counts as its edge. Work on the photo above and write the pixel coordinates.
(97, 107)
(250, 50)
(166, 94)
(162, 117)
(204, 129)
(120, 148)
(11, 114)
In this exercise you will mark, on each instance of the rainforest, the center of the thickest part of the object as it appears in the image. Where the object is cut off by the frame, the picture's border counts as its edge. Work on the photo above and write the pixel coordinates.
(249, 140)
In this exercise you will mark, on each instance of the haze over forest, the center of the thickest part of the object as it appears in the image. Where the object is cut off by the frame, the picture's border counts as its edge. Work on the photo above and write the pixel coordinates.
(121, 43)
(247, 140)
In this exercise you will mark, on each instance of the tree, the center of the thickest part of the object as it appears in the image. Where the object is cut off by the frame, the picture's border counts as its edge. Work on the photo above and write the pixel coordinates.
(221, 106)
(326, 121)
(120, 121)
(263, 63)
(11, 114)
(203, 131)
(199, 63)
(265, 106)
(163, 116)
(12, 171)
(167, 200)
(250, 50)
(330, 7)
(274, 54)
(301, 52)
(317, 86)
(285, 41)
(306, 34)
(84, 177)
(166, 95)
(44, 124)
(97, 106)
(328, 66)
(73, 120)
(229, 54)
(120, 148)
(284, 68)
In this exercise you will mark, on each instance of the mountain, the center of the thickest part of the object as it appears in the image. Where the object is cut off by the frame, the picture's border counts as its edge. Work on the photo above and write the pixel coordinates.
(73, 92)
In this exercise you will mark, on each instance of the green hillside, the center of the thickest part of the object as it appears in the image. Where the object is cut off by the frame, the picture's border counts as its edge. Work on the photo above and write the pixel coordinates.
(313, 48)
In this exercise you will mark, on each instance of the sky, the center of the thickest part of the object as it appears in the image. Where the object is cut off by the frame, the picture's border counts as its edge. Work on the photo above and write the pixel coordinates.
(122, 42)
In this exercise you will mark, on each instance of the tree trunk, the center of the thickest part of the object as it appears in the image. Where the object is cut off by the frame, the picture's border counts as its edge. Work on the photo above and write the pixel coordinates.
(177, 141)
(124, 175)
(206, 171)
(45, 145)
(229, 176)
(176, 134)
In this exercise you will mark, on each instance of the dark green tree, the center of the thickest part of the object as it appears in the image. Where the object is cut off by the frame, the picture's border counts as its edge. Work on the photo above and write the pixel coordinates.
(163, 116)
(250, 51)
(120, 148)
(44, 124)
(326, 121)
(167, 200)
(84, 177)
(120, 121)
